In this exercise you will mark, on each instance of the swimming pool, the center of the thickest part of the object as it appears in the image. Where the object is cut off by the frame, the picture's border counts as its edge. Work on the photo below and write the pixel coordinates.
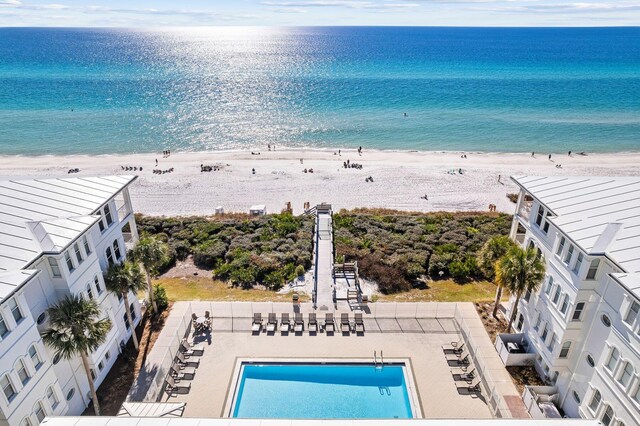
(322, 391)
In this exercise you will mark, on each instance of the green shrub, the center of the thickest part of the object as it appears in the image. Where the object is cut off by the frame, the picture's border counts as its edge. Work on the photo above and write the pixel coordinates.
(299, 270)
(160, 296)
(209, 253)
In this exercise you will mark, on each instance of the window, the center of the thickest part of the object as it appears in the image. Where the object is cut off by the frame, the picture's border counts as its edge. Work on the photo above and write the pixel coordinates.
(561, 246)
(593, 269)
(53, 399)
(590, 361)
(107, 355)
(569, 255)
(564, 352)
(26, 422)
(70, 394)
(85, 242)
(133, 311)
(35, 358)
(76, 249)
(107, 215)
(23, 374)
(93, 374)
(556, 295)
(41, 318)
(545, 333)
(613, 359)
(56, 359)
(67, 259)
(547, 290)
(552, 342)
(96, 281)
(109, 256)
(595, 401)
(632, 314)
(527, 295)
(101, 225)
(565, 304)
(577, 312)
(540, 215)
(7, 387)
(520, 322)
(578, 264)
(576, 396)
(3, 327)
(126, 321)
(101, 366)
(554, 378)
(55, 269)
(116, 249)
(606, 320)
(545, 228)
(15, 310)
(636, 394)
(607, 416)
(89, 292)
(537, 326)
(38, 410)
(627, 373)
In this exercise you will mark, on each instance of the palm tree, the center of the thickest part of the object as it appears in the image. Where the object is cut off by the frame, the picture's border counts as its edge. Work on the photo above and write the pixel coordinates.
(76, 328)
(121, 279)
(151, 253)
(520, 270)
(488, 255)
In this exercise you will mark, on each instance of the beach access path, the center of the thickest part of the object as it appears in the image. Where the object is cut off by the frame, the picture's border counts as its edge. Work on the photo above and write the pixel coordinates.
(400, 179)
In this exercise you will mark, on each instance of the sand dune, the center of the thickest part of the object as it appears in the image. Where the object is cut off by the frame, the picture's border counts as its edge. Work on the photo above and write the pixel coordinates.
(400, 179)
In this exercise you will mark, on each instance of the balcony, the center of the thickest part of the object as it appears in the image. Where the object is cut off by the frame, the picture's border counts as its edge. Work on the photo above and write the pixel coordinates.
(541, 402)
(514, 350)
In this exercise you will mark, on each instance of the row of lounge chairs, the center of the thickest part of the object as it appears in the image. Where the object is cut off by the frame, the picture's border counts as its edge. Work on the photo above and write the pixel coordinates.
(313, 326)
(183, 368)
(464, 374)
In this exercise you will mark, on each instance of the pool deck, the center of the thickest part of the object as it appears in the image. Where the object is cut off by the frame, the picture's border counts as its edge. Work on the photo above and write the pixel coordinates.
(413, 331)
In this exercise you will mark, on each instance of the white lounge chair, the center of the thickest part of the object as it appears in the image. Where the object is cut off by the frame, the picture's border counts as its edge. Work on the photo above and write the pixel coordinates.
(172, 387)
(184, 362)
(285, 323)
(256, 325)
(272, 323)
(189, 350)
(298, 323)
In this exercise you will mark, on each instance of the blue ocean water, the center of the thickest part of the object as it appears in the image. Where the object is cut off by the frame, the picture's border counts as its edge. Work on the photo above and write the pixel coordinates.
(322, 392)
(95, 91)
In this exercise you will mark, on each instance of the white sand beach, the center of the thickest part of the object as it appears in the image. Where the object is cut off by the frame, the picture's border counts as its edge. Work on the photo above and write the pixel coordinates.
(400, 179)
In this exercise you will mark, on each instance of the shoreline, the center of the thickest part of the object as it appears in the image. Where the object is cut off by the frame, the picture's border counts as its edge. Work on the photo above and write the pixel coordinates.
(400, 179)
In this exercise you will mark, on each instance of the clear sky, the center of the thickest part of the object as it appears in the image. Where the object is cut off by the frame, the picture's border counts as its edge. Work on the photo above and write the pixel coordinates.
(162, 13)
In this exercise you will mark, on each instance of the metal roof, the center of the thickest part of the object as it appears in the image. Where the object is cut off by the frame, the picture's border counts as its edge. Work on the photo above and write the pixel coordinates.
(11, 280)
(600, 214)
(152, 409)
(44, 215)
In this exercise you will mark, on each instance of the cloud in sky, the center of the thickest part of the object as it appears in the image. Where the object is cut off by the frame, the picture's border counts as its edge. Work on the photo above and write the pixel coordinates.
(150, 13)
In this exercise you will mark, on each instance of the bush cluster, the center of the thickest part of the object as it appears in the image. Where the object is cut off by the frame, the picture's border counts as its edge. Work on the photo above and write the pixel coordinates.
(395, 248)
(244, 250)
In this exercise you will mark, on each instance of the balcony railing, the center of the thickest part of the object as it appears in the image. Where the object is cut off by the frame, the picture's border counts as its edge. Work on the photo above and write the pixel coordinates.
(541, 402)
(514, 349)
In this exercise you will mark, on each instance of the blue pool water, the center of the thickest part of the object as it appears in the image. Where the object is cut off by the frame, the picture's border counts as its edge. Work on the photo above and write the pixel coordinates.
(310, 391)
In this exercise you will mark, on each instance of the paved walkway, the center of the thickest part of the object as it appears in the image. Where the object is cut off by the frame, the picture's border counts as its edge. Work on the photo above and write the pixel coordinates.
(324, 259)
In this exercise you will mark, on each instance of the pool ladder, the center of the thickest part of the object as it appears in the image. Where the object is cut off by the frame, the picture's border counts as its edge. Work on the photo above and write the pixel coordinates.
(375, 360)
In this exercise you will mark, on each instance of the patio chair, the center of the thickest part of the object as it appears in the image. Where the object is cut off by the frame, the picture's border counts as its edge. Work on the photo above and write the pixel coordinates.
(456, 356)
(464, 376)
(329, 322)
(256, 325)
(178, 374)
(184, 362)
(272, 322)
(298, 323)
(172, 387)
(472, 387)
(207, 320)
(344, 323)
(450, 349)
(187, 349)
(313, 323)
(285, 323)
(359, 322)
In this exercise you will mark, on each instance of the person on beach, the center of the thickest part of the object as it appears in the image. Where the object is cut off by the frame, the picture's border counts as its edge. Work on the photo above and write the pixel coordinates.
(339, 153)
(269, 147)
(533, 154)
(499, 179)
(425, 197)
(253, 171)
(359, 150)
(549, 157)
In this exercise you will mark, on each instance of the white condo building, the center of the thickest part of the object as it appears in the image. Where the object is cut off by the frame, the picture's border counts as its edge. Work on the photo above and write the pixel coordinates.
(581, 328)
(57, 236)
